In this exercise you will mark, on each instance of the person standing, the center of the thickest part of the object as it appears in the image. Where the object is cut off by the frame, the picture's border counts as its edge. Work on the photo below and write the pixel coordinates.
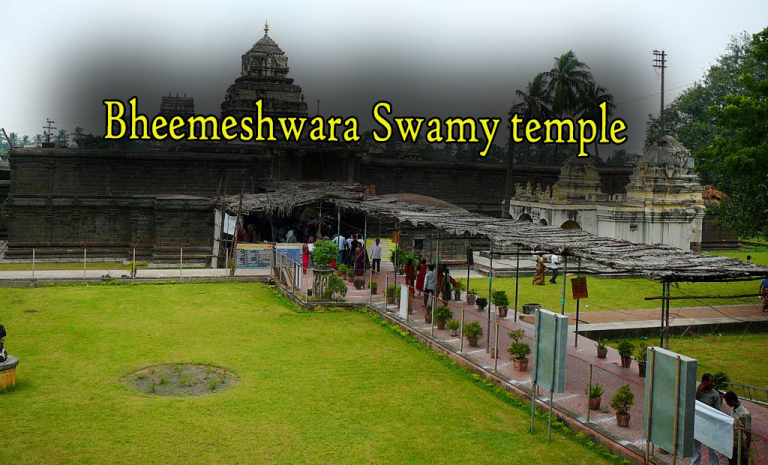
(554, 264)
(305, 257)
(706, 394)
(742, 428)
(420, 277)
(541, 271)
(764, 293)
(339, 240)
(430, 280)
(410, 275)
(376, 256)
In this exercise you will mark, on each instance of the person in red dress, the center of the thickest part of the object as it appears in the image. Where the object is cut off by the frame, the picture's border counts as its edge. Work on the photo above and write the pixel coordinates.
(420, 277)
(410, 274)
(305, 257)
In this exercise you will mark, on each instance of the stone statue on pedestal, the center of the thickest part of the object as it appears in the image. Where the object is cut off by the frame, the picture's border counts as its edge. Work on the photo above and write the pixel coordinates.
(3, 354)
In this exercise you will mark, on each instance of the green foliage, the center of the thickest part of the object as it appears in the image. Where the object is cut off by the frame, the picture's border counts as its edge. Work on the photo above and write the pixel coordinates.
(595, 391)
(359, 283)
(518, 350)
(623, 400)
(473, 330)
(323, 253)
(336, 288)
(481, 302)
(500, 299)
(443, 314)
(350, 272)
(472, 291)
(720, 379)
(342, 268)
(392, 290)
(374, 286)
(453, 324)
(642, 351)
(601, 345)
(403, 255)
(459, 286)
(626, 348)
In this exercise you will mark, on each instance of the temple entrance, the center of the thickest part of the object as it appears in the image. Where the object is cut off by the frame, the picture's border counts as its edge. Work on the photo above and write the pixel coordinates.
(570, 224)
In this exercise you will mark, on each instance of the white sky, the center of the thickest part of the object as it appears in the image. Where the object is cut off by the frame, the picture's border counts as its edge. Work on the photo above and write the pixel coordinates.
(432, 58)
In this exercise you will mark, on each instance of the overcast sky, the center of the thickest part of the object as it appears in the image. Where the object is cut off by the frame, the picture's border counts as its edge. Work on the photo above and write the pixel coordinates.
(432, 58)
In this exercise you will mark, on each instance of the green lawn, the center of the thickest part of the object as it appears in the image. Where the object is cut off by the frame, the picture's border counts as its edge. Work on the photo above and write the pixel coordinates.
(742, 357)
(314, 387)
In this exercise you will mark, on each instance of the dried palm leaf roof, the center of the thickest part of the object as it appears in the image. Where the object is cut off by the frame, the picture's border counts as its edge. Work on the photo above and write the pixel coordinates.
(661, 262)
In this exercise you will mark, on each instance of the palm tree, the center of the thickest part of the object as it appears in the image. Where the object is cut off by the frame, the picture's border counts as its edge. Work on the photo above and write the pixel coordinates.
(39, 139)
(13, 138)
(565, 84)
(25, 140)
(592, 97)
(533, 104)
(78, 135)
(62, 138)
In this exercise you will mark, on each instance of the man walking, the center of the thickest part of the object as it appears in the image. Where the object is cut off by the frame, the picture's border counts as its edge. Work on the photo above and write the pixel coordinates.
(376, 256)
(430, 280)
(706, 394)
(554, 262)
(742, 429)
(339, 240)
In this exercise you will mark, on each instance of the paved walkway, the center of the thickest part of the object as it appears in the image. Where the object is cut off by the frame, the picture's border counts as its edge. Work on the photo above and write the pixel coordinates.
(156, 273)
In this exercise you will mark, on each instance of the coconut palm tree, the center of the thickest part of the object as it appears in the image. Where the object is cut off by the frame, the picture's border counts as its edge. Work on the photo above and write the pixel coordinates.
(565, 84)
(592, 97)
(39, 139)
(25, 140)
(78, 135)
(533, 104)
(62, 138)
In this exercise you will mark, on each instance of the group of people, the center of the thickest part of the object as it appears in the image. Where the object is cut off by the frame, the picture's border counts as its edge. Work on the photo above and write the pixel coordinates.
(539, 278)
(742, 422)
(429, 281)
(352, 252)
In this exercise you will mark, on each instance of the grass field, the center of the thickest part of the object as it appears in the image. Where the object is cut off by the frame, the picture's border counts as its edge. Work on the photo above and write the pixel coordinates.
(742, 357)
(313, 387)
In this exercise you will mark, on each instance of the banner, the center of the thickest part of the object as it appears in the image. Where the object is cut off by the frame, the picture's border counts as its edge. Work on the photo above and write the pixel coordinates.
(255, 256)
(713, 428)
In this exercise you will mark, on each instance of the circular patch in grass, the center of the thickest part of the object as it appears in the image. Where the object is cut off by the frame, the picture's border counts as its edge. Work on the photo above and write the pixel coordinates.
(182, 379)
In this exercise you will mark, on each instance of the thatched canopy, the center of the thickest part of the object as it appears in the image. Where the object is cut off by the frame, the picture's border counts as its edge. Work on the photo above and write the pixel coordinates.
(660, 262)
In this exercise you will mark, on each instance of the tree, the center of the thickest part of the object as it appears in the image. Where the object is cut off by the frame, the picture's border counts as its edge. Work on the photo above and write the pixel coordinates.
(25, 141)
(13, 138)
(737, 159)
(592, 97)
(62, 138)
(78, 135)
(533, 105)
(39, 139)
(623, 158)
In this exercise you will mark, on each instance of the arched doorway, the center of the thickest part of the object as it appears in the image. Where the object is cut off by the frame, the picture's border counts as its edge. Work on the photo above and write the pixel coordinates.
(525, 217)
(543, 222)
(570, 224)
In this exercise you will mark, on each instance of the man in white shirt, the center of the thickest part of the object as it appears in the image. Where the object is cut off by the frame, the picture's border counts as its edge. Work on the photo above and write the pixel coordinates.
(742, 426)
(430, 282)
(376, 256)
(340, 242)
(554, 263)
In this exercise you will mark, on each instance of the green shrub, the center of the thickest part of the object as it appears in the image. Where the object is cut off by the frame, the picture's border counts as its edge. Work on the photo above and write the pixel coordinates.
(500, 299)
(642, 351)
(595, 391)
(481, 302)
(473, 330)
(626, 348)
(453, 324)
(392, 291)
(623, 400)
(350, 273)
(323, 253)
(443, 314)
(374, 286)
(336, 287)
(359, 283)
(601, 345)
(342, 268)
(720, 379)
(518, 350)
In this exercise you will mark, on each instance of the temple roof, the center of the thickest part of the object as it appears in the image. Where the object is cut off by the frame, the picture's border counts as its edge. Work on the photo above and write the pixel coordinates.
(668, 151)
(266, 45)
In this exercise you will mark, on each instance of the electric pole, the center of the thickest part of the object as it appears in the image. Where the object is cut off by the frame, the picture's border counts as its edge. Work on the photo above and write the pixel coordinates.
(660, 61)
(48, 134)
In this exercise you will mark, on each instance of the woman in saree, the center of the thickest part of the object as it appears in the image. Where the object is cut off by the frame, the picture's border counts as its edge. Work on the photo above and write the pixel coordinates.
(359, 261)
(541, 272)
(420, 277)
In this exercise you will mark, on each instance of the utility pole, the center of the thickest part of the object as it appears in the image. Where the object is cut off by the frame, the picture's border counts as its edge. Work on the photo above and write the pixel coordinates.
(660, 61)
(318, 107)
(48, 134)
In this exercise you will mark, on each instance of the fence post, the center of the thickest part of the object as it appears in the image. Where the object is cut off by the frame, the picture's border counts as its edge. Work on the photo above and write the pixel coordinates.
(85, 260)
(496, 350)
(135, 267)
(33, 263)
(181, 263)
(589, 392)
(461, 333)
(432, 329)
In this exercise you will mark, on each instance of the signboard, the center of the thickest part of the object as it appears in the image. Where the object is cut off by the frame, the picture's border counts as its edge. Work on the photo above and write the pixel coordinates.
(549, 348)
(386, 248)
(291, 251)
(257, 256)
(579, 288)
(662, 393)
(714, 429)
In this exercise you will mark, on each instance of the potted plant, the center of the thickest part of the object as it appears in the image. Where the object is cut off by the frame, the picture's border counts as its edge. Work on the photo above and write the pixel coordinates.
(471, 296)
(457, 290)
(341, 270)
(519, 350)
(391, 294)
(595, 393)
(374, 287)
(336, 289)
(359, 283)
(621, 402)
(625, 351)
(642, 353)
(481, 303)
(602, 349)
(472, 331)
(501, 301)
(442, 315)
(351, 275)
(428, 315)
(322, 255)
(454, 326)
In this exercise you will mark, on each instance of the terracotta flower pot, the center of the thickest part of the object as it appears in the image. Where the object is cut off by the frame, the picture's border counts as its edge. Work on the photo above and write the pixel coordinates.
(503, 312)
(440, 325)
(471, 299)
(622, 419)
(472, 341)
(520, 365)
(457, 295)
(641, 368)
(602, 353)
(493, 352)
(594, 403)
(428, 317)
(626, 362)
